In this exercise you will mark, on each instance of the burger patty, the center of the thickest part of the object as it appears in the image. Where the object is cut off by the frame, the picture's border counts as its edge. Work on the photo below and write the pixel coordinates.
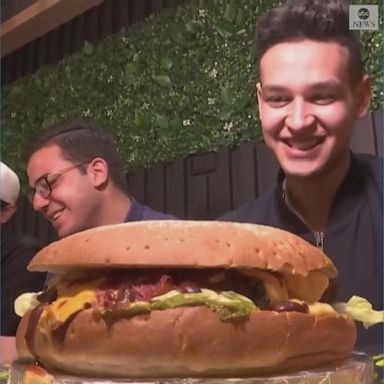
(120, 287)
(128, 286)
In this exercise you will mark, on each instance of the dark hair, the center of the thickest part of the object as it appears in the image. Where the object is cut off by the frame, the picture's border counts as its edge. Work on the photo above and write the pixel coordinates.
(322, 20)
(80, 142)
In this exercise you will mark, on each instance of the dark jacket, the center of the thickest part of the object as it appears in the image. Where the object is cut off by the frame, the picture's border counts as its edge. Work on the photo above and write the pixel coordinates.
(353, 238)
(139, 212)
(16, 252)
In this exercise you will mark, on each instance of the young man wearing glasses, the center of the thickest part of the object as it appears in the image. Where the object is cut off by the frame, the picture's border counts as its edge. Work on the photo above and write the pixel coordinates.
(16, 252)
(312, 88)
(77, 179)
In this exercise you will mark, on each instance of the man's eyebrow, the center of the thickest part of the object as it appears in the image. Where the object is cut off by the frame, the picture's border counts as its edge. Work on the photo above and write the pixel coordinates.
(40, 178)
(327, 84)
(319, 85)
(273, 88)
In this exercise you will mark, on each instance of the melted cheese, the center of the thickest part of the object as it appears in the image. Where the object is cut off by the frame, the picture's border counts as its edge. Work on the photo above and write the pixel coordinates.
(309, 288)
(317, 309)
(321, 309)
(72, 298)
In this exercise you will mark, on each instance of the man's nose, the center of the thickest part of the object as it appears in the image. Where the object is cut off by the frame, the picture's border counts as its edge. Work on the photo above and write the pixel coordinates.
(299, 115)
(39, 202)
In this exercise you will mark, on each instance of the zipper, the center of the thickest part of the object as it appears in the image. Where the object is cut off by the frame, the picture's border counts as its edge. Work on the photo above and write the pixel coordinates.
(319, 237)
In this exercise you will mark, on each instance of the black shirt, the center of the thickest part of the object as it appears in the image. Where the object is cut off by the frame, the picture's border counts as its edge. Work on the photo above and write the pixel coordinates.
(16, 252)
(353, 238)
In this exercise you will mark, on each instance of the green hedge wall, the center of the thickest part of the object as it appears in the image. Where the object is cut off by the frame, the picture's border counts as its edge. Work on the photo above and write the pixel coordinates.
(177, 83)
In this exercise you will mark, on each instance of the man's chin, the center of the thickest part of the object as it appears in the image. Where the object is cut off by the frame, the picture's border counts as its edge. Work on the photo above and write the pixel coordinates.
(62, 231)
(303, 171)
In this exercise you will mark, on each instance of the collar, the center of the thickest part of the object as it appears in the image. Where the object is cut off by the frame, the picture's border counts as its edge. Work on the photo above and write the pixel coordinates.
(346, 199)
(135, 212)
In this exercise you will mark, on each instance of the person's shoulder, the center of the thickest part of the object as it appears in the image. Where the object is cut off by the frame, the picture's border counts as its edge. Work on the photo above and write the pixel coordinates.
(151, 214)
(369, 164)
(252, 211)
(28, 242)
(138, 212)
(368, 159)
(18, 249)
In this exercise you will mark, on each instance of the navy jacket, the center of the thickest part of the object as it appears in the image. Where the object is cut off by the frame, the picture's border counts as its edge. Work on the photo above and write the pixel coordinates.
(16, 252)
(140, 212)
(353, 238)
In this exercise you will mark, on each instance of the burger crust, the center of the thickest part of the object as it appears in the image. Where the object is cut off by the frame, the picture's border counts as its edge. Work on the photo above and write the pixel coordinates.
(192, 341)
(186, 244)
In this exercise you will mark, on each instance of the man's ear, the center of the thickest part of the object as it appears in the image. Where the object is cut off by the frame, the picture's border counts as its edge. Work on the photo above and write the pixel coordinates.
(362, 93)
(7, 212)
(259, 94)
(99, 172)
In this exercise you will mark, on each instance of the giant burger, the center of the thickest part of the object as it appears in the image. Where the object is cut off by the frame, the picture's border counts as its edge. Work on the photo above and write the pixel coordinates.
(183, 298)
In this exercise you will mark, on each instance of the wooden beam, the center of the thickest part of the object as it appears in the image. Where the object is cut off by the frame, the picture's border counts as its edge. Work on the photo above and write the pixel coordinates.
(38, 19)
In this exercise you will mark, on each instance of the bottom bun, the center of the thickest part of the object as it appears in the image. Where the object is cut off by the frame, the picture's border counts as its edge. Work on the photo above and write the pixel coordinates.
(192, 341)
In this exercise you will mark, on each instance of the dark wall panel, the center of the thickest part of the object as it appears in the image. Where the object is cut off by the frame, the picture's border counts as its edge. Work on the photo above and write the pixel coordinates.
(363, 139)
(243, 175)
(219, 193)
(137, 185)
(176, 188)
(266, 168)
(157, 188)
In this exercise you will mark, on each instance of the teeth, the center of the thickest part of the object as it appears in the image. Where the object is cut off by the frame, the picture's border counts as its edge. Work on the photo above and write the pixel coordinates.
(55, 216)
(303, 146)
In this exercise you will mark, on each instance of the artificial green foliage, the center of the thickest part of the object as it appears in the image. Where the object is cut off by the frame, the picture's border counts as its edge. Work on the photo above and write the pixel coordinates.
(177, 83)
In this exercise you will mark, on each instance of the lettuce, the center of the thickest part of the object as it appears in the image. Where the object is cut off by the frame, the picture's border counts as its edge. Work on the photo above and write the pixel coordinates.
(360, 309)
(228, 305)
(26, 302)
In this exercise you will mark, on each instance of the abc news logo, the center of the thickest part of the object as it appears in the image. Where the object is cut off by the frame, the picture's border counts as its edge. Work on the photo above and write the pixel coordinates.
(363, 17)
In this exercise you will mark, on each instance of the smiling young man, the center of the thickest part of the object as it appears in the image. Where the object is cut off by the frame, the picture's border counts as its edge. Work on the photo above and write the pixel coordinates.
(77, 179)
(312, 89)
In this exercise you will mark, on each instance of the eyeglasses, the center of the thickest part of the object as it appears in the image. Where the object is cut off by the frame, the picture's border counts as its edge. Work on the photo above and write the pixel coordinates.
(43, 185)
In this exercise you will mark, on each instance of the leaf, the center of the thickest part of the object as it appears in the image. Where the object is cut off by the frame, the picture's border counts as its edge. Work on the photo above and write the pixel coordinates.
(131, 68)
(224, 29)
(141, 120)
(163, 80)
(252, 54)
(88, 48)
(224, 114)
(190, 27)
(166, 63)
(176, 124)
(229, 13)
(240, 17)
(161, 121)
(242, 102)
(176, 34)
(226, 95)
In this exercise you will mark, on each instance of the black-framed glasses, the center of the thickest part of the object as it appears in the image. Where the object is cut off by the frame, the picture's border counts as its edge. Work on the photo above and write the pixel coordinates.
(43, 185)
